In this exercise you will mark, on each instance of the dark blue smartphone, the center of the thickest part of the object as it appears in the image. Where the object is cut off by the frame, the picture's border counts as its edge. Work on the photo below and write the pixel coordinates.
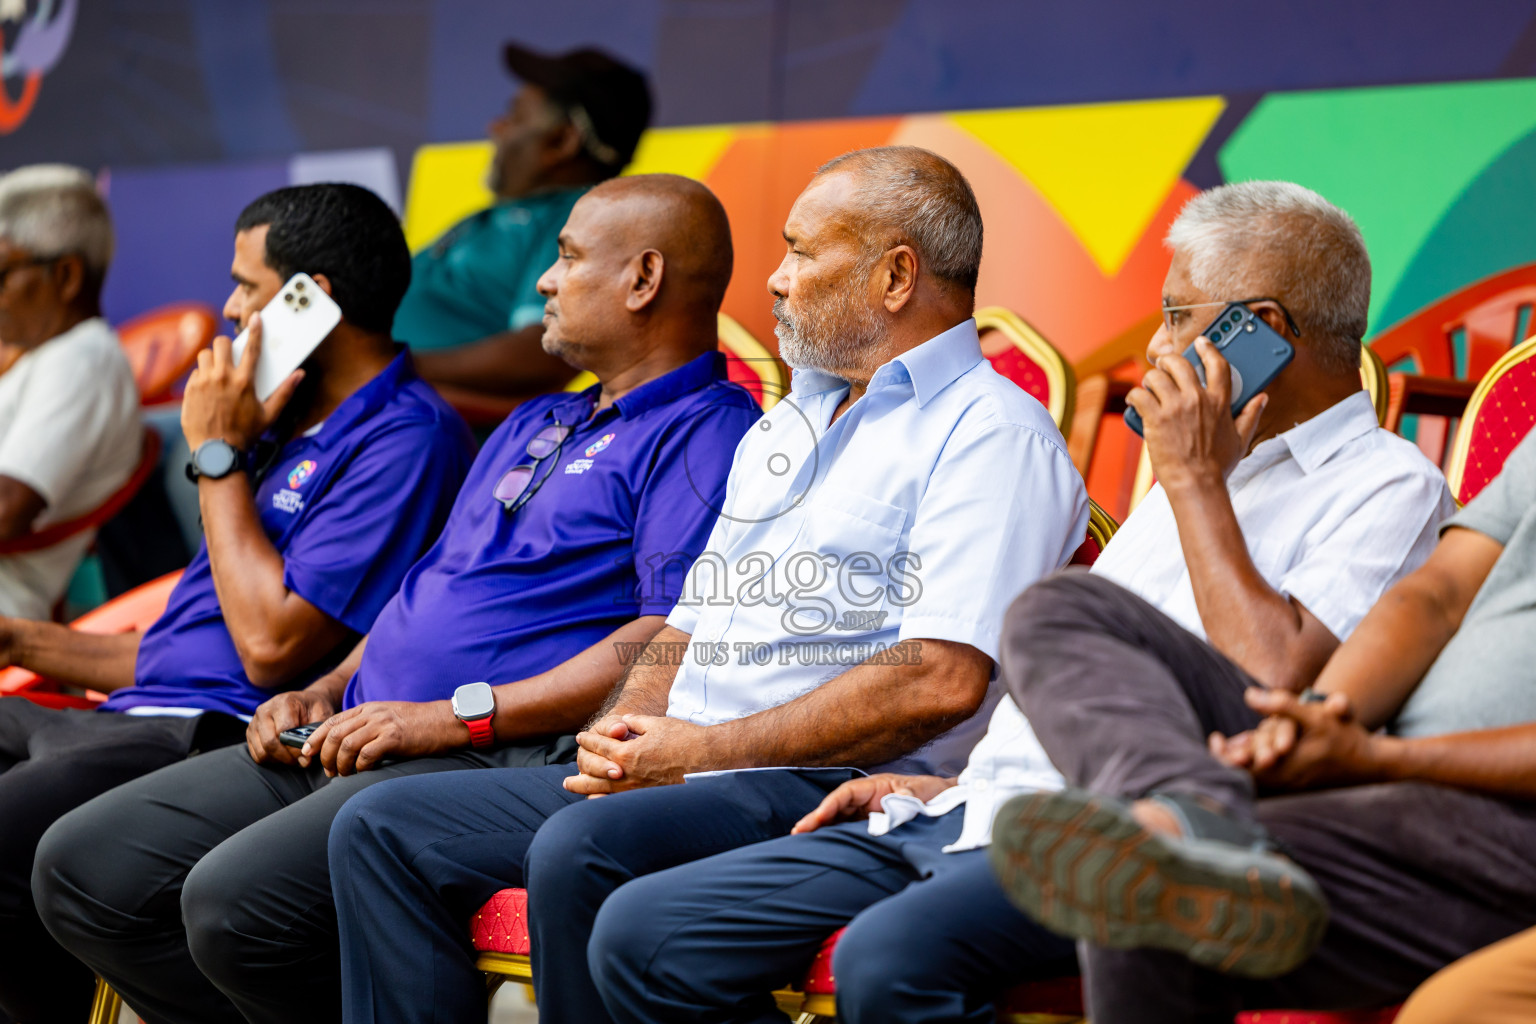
(1250, 346)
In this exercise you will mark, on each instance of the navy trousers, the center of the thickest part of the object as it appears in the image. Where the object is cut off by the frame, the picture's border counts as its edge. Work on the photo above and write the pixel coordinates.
(930, 935)
(413, 859)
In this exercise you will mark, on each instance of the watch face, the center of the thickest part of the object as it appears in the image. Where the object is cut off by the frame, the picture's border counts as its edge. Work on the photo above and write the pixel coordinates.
(474, 700)
(215, 459)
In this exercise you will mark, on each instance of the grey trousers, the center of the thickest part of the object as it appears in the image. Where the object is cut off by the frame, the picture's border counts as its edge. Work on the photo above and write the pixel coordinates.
(1417, 875)
(202, 891)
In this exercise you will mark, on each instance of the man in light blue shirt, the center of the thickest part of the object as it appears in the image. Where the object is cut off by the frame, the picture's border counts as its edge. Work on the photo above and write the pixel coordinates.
(845, 615)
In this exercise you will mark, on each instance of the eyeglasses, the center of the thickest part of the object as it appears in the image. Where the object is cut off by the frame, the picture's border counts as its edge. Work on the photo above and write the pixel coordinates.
(517, 485)
(1289, 321)
(34, 261)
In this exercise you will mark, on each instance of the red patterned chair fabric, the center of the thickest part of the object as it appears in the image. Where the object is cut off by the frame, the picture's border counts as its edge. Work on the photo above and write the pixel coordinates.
(1023, 371)
(1499, 416)
(1318, 1016)
(501, 926)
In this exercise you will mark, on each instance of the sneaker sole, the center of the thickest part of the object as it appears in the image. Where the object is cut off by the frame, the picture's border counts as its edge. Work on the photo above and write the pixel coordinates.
(1083, 867)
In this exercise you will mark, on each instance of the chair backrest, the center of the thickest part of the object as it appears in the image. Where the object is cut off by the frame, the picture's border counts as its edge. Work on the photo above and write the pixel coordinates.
(1373, 380)
(751, 365)
(136, 610)
(1492, 315)
(149, 459)
(1021, 353)
(747, 363)
(1101, 527)
(1500, 413)
(162, 346)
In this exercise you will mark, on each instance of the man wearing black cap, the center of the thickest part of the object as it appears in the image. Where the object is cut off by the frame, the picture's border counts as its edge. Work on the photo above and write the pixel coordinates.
(473, 315)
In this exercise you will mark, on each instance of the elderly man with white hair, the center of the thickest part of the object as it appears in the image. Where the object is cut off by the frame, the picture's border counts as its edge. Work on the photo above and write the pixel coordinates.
(1271, 561)
(69, 411)
(1192, 898)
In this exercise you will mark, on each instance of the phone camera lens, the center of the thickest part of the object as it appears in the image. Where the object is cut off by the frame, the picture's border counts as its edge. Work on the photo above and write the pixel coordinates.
(1215, 335)
(303, 300)
(1237, 315)
(1225, 327)
(288, 297)
(298, 286)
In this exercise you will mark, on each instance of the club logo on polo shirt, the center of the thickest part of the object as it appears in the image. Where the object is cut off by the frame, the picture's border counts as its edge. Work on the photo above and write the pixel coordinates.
(291, 500)
(582, 465)
(301, 473)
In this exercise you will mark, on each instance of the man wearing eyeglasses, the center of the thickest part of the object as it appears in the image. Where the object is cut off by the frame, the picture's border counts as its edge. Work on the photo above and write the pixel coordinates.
(473, 314)
(567, 545)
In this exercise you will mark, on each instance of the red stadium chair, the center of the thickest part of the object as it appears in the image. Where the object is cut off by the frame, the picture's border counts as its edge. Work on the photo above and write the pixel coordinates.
(162, 346)
(1489, 317)
(1386, 1016)
(1020, 353)
(1101, 527)
(1499, 415)
(135, 610)
(48, 536)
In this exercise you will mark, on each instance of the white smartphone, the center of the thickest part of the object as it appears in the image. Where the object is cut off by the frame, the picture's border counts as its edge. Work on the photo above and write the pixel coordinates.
(293, 325)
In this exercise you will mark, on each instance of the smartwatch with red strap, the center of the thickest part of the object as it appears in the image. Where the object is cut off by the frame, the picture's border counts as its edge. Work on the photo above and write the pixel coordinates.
(475, 705)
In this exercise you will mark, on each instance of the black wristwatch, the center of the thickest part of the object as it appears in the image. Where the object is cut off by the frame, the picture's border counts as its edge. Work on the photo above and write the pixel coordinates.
(215, 458)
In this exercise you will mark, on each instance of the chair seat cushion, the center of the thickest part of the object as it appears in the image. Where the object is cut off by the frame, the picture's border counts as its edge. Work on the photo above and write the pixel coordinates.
(501, 926)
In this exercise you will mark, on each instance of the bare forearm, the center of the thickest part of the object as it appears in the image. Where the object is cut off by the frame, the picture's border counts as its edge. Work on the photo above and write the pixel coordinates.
(1395, 644)
(90, 660)
(563, 699)
(871, 714)
(1244, 617)
(1497, 762)
(511, 363)
(275, 631)
(648, 682)
(1388, 653)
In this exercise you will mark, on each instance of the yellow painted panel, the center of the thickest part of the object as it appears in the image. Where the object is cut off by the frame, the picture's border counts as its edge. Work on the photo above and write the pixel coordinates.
(691, 152)
(1105, 168)
(447, 185)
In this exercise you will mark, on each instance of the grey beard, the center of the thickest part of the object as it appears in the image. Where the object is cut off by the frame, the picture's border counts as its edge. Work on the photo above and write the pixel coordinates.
(834, 338)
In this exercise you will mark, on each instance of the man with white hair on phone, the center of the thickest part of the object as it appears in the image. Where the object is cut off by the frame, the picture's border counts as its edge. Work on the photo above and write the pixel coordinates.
(69, 411)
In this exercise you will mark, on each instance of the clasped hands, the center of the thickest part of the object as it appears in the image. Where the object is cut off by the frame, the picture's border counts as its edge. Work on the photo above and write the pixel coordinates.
(623, 752)
(1299, 745)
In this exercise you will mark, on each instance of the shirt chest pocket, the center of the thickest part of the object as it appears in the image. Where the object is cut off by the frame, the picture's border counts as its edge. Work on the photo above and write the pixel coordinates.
(840, 576)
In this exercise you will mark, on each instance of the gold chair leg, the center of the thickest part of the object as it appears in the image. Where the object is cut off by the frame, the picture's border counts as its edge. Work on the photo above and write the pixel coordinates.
(107, 1005)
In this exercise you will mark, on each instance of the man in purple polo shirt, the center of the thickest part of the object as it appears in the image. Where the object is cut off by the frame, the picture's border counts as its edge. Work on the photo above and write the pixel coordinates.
(204, 892)
(349, 473)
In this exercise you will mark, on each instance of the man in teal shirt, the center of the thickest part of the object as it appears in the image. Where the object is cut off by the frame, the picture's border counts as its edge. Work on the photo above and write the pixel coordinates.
(473, 315)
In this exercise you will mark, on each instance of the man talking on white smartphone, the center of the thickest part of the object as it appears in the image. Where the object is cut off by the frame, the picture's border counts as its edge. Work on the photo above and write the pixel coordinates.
(314, 504)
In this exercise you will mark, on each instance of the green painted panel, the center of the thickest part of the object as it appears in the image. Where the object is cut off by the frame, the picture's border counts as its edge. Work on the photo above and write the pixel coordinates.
(1491, 228)
(1396, 158)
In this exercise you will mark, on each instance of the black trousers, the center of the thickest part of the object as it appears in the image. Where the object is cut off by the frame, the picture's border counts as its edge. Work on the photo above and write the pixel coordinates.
(50, 763)
(1123, 698)
(201, 892)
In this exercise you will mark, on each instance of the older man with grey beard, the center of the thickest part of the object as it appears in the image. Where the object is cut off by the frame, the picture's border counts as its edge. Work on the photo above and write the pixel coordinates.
(844, 615)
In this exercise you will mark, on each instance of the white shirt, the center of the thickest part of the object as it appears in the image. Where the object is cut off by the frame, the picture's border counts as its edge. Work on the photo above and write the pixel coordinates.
(69, 429)
(1334, 511)
(920, 514)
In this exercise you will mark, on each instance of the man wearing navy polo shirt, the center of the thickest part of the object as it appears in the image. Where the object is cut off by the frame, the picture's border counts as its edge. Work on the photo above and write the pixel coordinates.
(207, 895)
(349, 471)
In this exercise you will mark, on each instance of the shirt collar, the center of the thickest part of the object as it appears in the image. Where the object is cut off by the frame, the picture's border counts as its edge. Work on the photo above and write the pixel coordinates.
(1320, 438)
(368, 399)
(697, 373)
(929, 368)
